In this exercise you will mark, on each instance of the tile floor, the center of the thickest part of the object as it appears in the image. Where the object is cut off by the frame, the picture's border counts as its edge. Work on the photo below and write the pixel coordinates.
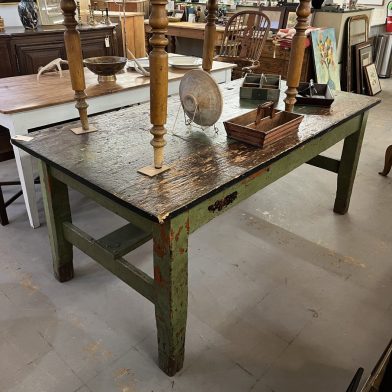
(285, 296)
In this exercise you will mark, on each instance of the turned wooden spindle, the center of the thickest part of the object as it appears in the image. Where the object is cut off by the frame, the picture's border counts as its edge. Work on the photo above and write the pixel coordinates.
(209, 36)
(297, 53)
(158, 78)
(75, 59)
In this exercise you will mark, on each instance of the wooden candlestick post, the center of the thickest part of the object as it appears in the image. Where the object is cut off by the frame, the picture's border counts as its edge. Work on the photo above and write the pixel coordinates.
(209, 36)
(158, 85)
(297, 53)
(75, 61)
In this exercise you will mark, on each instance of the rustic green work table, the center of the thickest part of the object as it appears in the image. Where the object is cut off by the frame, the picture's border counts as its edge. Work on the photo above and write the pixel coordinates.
(209, 175)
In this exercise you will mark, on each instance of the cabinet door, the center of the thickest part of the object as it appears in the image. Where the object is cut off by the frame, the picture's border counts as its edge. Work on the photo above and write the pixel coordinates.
(6, 68)
(97, 46)
(33, 56)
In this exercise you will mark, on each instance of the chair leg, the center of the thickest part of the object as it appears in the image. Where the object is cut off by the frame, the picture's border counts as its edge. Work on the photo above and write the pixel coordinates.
(3, 211)
(388, 161)
(4, 204)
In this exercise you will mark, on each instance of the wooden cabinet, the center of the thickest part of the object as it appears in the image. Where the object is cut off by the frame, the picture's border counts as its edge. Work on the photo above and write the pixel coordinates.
(25, 51)
(130, 25)
(130, 6)
(275, 60)
(6, 68)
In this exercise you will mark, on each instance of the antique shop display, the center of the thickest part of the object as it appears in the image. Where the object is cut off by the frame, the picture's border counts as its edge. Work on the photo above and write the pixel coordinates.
(28, 13)
(105, 67)
(261, 87)
(373, 83)
(324, 54)
(161, 207)
(363, 57)
(263, 126)
(314, 94)
(208, 177)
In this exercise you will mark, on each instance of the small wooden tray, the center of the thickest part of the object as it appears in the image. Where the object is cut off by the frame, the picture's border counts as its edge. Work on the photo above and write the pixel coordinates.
(261, 87)
(259, 130)
(323, 97)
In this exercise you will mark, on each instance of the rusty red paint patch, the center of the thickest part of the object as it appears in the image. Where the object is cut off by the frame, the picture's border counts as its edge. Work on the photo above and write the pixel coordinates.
(178, 233)
(187, 225)
(159, 250)
(158, 275)
(255, 175)
(164, 236)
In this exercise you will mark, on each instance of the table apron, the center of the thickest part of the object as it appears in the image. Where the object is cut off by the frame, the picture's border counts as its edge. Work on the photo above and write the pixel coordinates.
(104, 201)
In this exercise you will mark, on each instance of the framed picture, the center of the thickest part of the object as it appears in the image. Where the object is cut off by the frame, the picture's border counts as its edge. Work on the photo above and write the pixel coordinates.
(50, 12)
(325, 61)
(276, 16)
(372, 79)
(290, 19)
(363, 57)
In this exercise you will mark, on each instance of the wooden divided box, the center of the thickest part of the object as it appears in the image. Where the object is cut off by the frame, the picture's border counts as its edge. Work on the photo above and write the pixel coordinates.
(321, 95)
(263, 87)
(262, 131)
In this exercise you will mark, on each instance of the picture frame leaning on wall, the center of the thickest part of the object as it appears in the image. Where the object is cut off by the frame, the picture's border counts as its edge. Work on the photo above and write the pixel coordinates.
(373, 82)
(363, 57)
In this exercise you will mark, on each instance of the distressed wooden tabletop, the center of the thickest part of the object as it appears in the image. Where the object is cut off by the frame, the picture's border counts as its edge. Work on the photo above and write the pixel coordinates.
(202, 162)
(21, 93)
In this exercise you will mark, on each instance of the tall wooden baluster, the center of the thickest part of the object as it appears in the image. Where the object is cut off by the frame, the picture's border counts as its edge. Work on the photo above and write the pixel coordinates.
(209, 36)
(75, 59)
(158, 78)
(297, 53)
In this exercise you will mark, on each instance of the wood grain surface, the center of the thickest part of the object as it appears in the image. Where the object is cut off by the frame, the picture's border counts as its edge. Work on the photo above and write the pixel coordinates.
(202, 162)
(189, 30)
(22, 93)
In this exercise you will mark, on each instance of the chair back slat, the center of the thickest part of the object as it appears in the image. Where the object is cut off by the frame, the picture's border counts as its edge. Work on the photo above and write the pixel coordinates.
(245, 35)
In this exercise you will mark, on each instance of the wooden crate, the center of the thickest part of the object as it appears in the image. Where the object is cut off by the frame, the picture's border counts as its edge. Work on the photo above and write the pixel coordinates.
(323, 97)
(269, 130)
(264, 87)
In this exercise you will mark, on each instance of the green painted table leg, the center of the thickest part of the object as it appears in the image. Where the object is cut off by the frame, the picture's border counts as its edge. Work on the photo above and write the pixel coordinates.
(57, 211)
(171, 283)
(348, 168)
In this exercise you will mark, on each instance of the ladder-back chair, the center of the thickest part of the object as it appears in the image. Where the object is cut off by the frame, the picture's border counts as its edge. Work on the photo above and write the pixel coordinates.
(243, 41)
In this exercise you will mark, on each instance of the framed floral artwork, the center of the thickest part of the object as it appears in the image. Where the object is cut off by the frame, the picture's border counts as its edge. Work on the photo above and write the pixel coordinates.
(324, 54)
(373, 82)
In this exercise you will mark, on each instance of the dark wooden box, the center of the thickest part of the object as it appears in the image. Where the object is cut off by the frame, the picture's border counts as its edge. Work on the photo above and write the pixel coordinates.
(263, 87)
(267, 131)
(323, 97)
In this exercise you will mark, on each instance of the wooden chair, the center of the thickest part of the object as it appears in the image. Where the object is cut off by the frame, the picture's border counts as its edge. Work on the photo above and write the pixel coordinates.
(243, 41)
(388, 161)
(7, 153)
